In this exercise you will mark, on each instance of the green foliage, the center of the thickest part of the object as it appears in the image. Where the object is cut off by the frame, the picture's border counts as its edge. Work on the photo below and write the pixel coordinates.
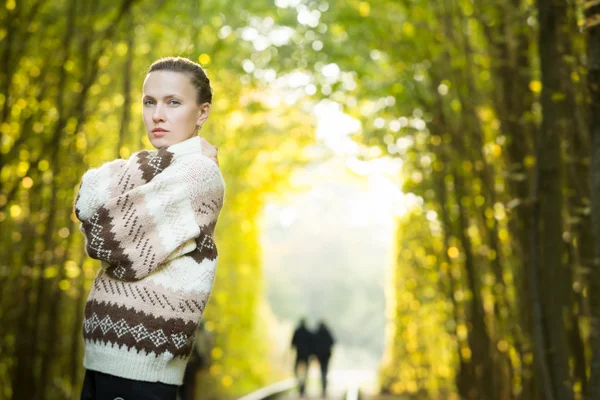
(451, 88)
(70, 100)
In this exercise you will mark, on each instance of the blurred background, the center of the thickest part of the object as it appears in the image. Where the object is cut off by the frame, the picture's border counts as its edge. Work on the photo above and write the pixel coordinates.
(414, 173)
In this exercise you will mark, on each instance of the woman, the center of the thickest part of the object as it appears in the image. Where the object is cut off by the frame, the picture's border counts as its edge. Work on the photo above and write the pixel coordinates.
(150, 220)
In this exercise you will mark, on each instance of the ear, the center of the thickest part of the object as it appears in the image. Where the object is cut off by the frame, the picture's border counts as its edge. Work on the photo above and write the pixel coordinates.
(203, 113)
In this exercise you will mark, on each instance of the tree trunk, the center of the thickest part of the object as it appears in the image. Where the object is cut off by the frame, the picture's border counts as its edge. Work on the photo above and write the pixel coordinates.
(539, 339)
(592, 14)
(465, 376)
(126, 114)
(76, 330)
(479, 339)
(49, 357)
(550, 198)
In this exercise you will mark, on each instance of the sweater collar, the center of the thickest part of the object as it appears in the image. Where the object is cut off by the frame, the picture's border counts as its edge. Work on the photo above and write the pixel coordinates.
(188, 146)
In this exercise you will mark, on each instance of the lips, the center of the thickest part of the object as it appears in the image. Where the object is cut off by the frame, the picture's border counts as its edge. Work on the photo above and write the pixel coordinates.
(159, 132)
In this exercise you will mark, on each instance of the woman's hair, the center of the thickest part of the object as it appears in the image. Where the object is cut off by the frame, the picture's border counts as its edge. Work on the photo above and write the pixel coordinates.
(193, 70)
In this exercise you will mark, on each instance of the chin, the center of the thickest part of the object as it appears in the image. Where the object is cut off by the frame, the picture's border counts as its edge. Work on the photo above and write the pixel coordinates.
(159, 143)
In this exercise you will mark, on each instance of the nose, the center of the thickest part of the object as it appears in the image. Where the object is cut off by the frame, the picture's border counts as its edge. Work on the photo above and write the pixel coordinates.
(158, 115)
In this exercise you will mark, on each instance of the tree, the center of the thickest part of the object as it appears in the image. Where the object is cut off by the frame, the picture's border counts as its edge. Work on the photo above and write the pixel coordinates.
(592, 13)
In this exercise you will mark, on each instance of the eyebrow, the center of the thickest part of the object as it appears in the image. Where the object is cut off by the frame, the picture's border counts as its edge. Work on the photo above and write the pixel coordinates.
(147, 96)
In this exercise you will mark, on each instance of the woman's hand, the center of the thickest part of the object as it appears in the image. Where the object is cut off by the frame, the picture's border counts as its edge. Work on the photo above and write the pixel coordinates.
(209, 150)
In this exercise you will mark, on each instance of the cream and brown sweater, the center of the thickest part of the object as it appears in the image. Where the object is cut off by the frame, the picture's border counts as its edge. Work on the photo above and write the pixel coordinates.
(150, 220)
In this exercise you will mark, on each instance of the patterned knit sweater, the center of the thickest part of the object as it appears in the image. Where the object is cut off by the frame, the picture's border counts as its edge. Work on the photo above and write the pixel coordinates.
(150, 220)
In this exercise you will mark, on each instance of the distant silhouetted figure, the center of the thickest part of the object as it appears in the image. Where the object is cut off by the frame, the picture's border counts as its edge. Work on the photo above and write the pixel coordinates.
(302, 341)
(322, 343)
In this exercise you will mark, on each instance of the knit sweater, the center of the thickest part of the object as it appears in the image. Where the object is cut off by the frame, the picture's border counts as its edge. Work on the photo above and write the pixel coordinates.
(150, 220)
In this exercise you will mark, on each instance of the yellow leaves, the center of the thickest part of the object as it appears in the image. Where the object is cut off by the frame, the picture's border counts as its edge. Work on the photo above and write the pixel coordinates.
(417, 177)
(51, 272)
(502, 346)
(72, 270)
(364, 9)
(27, 182)
(81, 142)
(479, 200)
(209, 326)
(467, 166)
(21, 103)
(494, 150)
(6, 130)
(529, 161)
(220, 297)
(64, 285)
(144, 48)
(216, 353)
(64, 232)
(69, 66)
(34, 71)
(535, 86)
(397, 387)
(236, 120)
(499, 211)
(118, 100)
(453, 252)
(11, 4)
(103, 61)
(575, 77)
(431, 259)
(95, 89)
(414, 305)
(503, 235)
(215, 369)
(121, 49)
(23, 155)
(455, 105)
(15, 211)
(486, 114)
(473, 231)
(226, 381)
(558, 97)
(411, 284)
(247, 226)
(124, 152)
(459, 295)
(22, 168)
(408, 29)
(462, 331)
(43, 165)
(204, 59)
(104, 79)
(466, 353)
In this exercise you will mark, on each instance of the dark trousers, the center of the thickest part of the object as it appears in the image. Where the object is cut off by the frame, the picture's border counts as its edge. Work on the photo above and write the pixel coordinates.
(324, 363)
(301, 370)
(99, 386)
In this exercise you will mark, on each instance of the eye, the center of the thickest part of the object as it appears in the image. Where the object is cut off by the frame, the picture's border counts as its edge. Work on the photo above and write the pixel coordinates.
(175, 102)
(148, 102)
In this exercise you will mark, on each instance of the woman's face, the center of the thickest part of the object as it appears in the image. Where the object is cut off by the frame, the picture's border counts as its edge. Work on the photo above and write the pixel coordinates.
(171, 114)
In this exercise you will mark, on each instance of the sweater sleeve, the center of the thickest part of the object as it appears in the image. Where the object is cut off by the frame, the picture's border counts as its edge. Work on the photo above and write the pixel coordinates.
(94, 189)
(113, 178)
(141, 229)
